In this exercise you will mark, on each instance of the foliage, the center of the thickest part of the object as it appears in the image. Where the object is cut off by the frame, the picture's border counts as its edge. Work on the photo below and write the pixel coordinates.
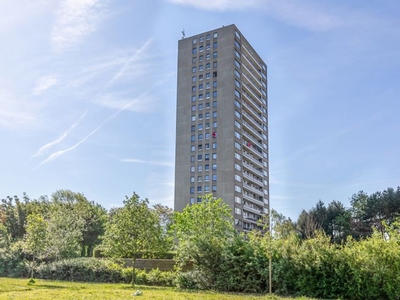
(132, 231)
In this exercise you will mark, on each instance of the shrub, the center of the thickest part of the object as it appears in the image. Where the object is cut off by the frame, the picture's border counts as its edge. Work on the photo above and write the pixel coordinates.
(192, 280)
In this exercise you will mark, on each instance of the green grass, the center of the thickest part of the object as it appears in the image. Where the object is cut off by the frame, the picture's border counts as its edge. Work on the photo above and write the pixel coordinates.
(11, 288)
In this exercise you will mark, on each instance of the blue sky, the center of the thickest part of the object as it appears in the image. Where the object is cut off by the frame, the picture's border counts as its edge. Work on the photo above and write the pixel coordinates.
(88, 93)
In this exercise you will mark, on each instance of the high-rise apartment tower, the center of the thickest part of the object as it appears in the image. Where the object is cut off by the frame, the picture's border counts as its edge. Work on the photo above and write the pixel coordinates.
(222, 124)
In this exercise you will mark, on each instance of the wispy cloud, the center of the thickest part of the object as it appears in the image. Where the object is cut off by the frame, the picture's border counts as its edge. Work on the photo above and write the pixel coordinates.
(76, 19)
(149, 162)
(44, 83)
(57, 154)
(60, 138)
(15, 111)
(301, 14)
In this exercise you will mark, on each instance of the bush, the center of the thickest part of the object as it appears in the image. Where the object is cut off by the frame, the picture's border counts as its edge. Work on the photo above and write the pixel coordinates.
(12, 264)
(192, 280)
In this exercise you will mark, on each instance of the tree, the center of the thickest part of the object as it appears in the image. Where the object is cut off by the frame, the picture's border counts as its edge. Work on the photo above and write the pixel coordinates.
(35, 241)
(202, 231)
(133, 231)
(306, 225)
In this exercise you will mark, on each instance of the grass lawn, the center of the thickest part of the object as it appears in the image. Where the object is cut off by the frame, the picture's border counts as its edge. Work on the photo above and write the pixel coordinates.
(11, 288)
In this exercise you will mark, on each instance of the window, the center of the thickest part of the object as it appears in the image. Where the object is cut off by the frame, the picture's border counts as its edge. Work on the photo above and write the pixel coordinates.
(193, 107)
(201, 58)
(237, 44)
(207, 75)
(194, 79)
(208, 47)
(207, 146)
(200, 86)
(208, 56)
(207, 168)
(193, 138)
(193, 88)
(237, 74)
(192, 158)
(237, 134)
(201, 106)
(193, 60)
(238, 156)
(237, 34)
(215, 74)
(200, 147)
(201, 39)
(214, 116)
(200, 116)
(208, 66)
(237, 145)
(237, 124)
(193, 98)
(208, 95)
(214, 156)
(207, 115)
(194, 50)
(238, 178)
(201, 48)
(237, 64)
(207, 156)
(214, 188)
(191, 200)
(238, 167)
(194, 70)
(214, 145)
(214, 84)
(193, 128)
(215, 93)
(201, 77)
(199, 168)
(208, 36)
(208, 105)
(199, 189)
(214, 134)
(198, 199)
(237, 83)
(207, 85)
(237, 114)
(192, 148)
(215, 54)
(215, 64)
(206, 189)
(238, 200)
(237, 54)
(192, 169)
(215, 45)
(214, 177)
(214, 167)
(237, 104)
(192, 179)
(200, 96)
(238, 211)
(199, 179)
(215, 35)
(215, 124)
(238, 189)
(194, 41)
(192, 190)
(206, 177)
(207, 134)
(200, 127)
(215, 103)
(201, 68)
(200, 136)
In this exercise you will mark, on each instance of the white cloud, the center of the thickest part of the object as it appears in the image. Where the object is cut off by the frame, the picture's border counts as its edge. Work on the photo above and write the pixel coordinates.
(15, 112)
(57, 154)
(141, 103)
(149, 162)
(44, 83)
(297, 13)
(76, 19)
(60, 138)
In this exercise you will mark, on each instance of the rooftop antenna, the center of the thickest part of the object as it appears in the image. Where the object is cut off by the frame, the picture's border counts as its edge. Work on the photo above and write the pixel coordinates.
(183, 33)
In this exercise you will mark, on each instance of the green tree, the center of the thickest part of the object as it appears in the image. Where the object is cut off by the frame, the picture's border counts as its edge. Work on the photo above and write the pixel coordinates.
(133, 231)
(35, 241)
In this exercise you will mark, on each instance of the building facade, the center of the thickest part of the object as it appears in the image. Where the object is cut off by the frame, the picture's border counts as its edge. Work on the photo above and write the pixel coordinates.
(222, 124)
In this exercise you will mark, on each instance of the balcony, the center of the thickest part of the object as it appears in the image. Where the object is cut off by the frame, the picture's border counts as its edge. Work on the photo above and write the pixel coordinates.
(251, 100)
(252, 139)
(253, 210)
(248, 71)
(252, 110)
(253, 189)
(253, 178)
(251, 56)
(252, 199)
(252, 120)
(253, 159)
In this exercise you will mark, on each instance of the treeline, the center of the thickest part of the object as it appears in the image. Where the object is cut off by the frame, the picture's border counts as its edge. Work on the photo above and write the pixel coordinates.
(329, 252)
